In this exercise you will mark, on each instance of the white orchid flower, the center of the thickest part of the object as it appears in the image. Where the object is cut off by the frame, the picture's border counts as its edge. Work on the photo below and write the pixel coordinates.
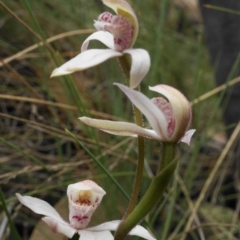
(118, 33)
(84, 198)
(169, 118)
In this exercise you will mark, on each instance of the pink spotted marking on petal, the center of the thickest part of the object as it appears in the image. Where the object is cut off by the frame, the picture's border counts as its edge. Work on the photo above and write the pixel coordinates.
(53, 226)
(82, 221)
(105, 17)
(166, 108)
(119, 26)
(78, 218)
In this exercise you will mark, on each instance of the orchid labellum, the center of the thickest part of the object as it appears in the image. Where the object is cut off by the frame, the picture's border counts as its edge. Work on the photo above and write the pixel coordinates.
(118, 33)
(84, 198)
(169, 117)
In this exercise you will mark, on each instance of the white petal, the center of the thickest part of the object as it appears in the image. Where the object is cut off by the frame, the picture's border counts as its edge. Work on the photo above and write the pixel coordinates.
(60, 227)
(154, 115)
(113, 225)
(141, 232)
(40, 207)
(121, 128)
(105, 37)
(89, 235)
(187, 137)
(140, 65)
(84, 60)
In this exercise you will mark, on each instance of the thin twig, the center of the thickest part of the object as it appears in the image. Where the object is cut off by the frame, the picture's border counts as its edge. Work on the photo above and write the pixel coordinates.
(27, 27)
(20, 21)
(23, 81)
(222, 9)
(52, 129)
(55, 104)
(206, 225)
(215, 91)
(41, 43)
(190, 203)
(221, 178)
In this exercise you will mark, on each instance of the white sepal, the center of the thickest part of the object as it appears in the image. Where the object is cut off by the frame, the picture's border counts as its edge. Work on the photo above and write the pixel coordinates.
(85, 60)
(154, 115)
(105, 37)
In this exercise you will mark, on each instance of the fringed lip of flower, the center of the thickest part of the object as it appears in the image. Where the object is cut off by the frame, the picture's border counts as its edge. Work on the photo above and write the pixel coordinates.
(169, 118)
(57, 224)
(118, 33)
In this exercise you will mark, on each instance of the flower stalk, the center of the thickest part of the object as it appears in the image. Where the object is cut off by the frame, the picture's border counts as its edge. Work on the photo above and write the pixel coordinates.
(125, 64)
(154, 192)
(159, 183)
(168, 154)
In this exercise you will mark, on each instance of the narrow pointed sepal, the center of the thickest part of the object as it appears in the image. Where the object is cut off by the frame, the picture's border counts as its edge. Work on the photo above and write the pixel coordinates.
(188, 136)
(85, 60)
(120, 128)
(53, 219)
(39, 206)
(155, 117)
(104, 37)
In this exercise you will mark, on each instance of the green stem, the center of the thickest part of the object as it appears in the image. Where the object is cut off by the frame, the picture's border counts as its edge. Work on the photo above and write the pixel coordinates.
(125, 63)
(13, 229)
(167, 222)
(140, 166)
(167, 155)
(153, 194)
(138, 178)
